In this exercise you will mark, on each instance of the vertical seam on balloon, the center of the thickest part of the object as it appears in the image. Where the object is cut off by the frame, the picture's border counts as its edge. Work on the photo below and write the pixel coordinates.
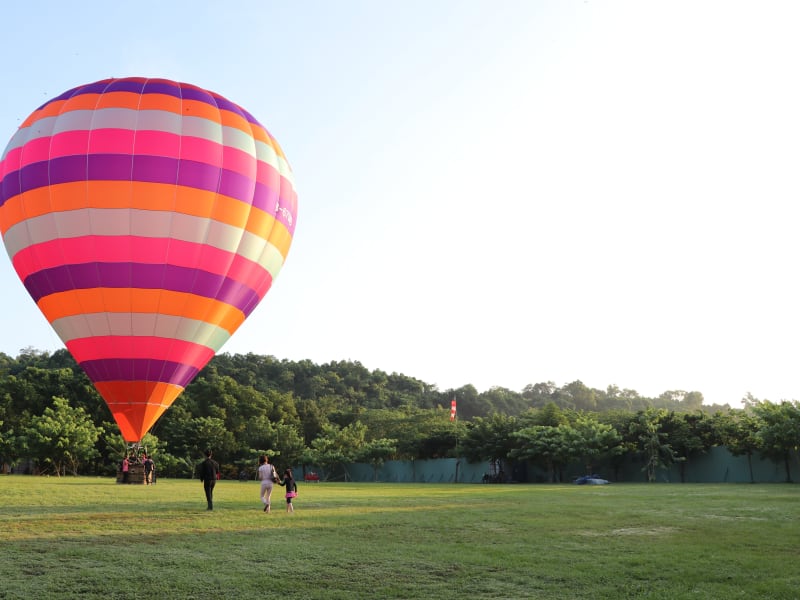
(243, 231)
(267, 234)
(169, 236)
(102, 296)
(145, 396)
(61, 112)
(283, 181)
(197, 324)
(211, 220)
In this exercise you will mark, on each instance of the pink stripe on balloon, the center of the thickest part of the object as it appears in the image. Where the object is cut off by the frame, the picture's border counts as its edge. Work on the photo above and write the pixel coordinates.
(9, 164)
(140, 347)
(132, 249)
(34, 151)
(101, 141)
(139, 143)
(239, 161)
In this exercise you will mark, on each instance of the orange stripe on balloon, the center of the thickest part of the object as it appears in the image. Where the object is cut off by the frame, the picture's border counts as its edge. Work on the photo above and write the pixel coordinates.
(52, 109)
(232, 119)
(198, 108)
(119, 99)
(13, 212)
(280, 238)
(122, 300)
(161, 102)
(127, 194)
(129, 100)
(137, 405)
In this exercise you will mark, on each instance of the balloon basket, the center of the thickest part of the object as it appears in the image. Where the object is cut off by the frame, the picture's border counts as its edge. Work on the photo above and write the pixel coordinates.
(135, 475)
(136, 472)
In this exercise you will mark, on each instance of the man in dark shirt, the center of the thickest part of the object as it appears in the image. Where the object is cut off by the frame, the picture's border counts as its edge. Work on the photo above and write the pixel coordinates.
(209, 470)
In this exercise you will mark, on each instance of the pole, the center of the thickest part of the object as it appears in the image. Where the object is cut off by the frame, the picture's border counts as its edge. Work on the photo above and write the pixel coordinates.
(458, 459)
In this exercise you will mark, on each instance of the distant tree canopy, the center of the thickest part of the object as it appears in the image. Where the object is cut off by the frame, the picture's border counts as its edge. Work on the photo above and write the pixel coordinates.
(332, 414)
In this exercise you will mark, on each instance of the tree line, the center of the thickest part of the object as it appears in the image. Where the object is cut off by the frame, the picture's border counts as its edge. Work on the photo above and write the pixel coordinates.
(334, 414)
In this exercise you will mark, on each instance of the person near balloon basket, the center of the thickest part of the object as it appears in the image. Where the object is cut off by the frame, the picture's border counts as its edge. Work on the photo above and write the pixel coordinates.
(209, 473)
(149, 470)
(125, 467)
(268, 477)
(291, 489)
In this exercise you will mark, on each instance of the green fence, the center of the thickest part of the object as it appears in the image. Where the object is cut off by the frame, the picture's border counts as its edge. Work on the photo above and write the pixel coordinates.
(716, 466)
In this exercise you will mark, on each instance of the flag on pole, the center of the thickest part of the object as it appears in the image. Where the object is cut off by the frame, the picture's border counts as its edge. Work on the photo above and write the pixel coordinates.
(453, 409)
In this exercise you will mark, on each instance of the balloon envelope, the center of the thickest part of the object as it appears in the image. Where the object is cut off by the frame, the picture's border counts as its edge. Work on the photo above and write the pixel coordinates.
(147, 218)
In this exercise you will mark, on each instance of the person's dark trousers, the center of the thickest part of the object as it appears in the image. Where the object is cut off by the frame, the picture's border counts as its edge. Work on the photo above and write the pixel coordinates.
(208, 486)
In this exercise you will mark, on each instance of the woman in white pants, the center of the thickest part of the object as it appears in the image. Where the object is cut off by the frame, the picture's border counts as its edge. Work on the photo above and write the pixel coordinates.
(267, 477)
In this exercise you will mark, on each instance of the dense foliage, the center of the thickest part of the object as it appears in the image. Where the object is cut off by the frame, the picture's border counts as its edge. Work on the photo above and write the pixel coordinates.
(331, 415)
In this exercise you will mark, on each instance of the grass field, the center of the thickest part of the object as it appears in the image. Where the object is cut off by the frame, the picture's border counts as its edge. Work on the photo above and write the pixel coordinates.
(90, 538)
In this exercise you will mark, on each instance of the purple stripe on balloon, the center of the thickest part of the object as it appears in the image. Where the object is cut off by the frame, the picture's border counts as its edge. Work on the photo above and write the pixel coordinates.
(9, 187)
(159, 86)
(126, 167)
(155, 86)
(141, 276)
(74, 92)
(155, 169)
(265, 198)
(115, 85)
(139, 369)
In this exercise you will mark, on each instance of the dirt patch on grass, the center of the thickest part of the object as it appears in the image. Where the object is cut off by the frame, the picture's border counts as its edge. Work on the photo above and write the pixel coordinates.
(628, 531)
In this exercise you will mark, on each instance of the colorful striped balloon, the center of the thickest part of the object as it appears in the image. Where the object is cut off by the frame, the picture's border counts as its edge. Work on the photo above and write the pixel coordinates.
(147, 219)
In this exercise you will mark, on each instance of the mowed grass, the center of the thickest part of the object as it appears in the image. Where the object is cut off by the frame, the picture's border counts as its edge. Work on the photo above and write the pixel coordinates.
(91, 538)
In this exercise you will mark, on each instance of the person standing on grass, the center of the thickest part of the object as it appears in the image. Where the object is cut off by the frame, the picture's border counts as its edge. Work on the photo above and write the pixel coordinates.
(209, 472)
(126, 466)
(267, 476)
(149, 465)
(291, 489)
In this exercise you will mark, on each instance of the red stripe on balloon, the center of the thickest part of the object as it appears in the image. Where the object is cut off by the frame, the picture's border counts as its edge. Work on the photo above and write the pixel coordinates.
(140, 347)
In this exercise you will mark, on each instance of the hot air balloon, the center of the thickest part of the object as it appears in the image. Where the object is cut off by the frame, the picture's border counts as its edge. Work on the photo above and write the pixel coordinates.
(146, 218)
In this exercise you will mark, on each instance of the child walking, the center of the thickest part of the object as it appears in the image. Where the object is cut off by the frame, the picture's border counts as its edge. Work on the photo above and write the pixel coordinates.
(291, 489)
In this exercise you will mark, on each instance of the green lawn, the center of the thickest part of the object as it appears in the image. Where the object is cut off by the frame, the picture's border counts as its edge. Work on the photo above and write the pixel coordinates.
(90, 538)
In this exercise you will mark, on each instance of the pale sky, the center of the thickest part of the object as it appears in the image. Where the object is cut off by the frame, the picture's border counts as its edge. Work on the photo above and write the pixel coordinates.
(493, 193)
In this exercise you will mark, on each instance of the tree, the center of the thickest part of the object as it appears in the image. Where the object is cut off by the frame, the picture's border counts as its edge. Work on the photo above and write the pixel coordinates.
(549, 414)
(489, 438)
(377, 452)
(425, 434)
(503, 401)
(627, 425)
(440, 439)
(738, 431)
(578, 396)
(469, 402)
(779, 430)
(287, 442)
(62, 437)
(689, 434)
(545, 445)
(595, 440)
(537, 395)
(655, 451)
(336, 447)
(190, 437)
